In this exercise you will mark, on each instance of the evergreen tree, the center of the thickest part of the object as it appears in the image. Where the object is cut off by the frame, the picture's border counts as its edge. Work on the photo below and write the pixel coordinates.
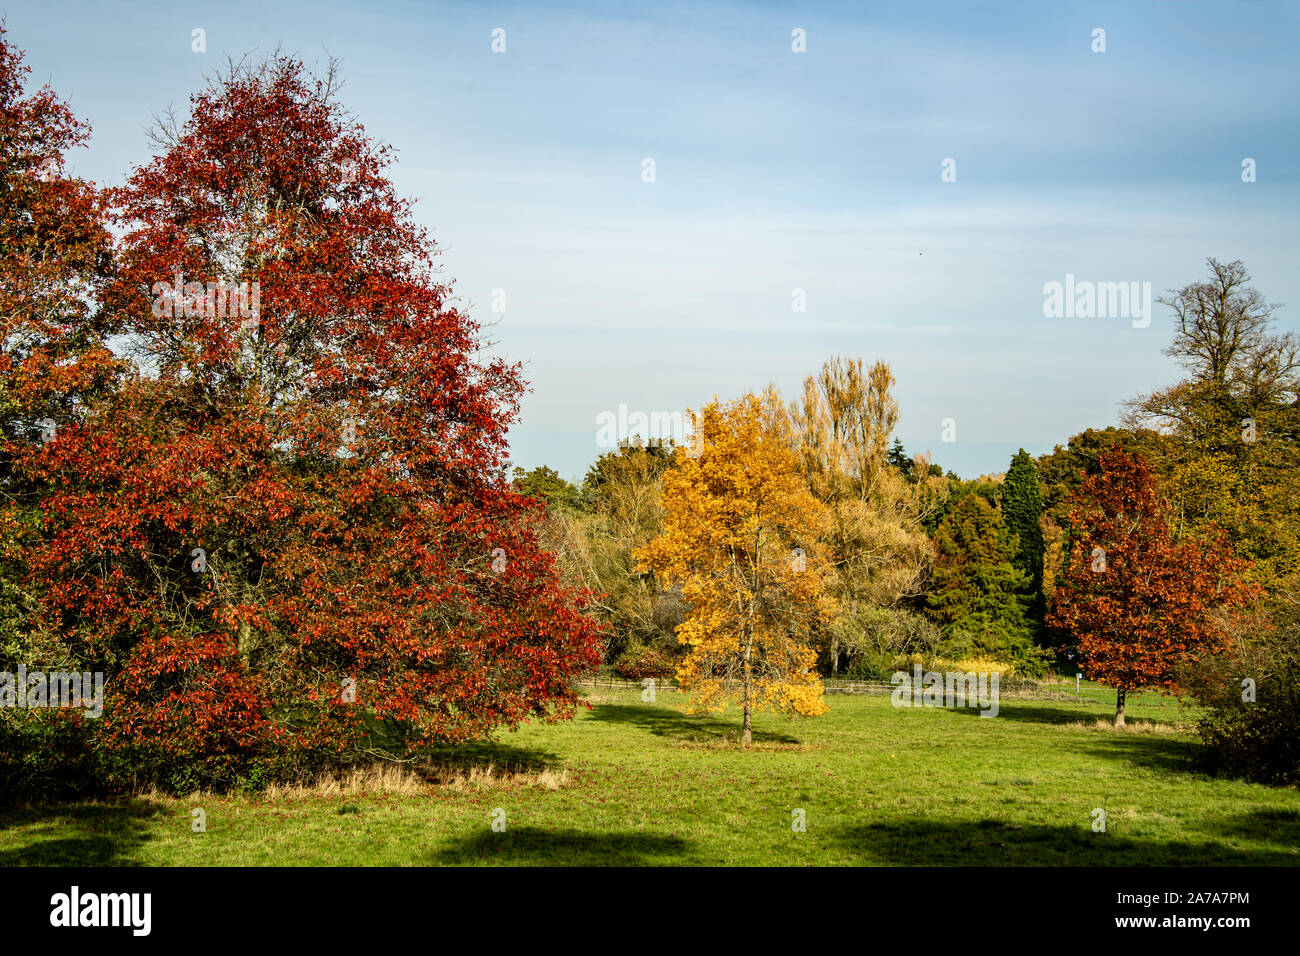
(1022, 506)
(545, 484)
(900, 459)
(979, 594)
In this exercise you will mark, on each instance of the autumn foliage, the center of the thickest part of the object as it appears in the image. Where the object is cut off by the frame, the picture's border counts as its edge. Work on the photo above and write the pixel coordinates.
(287, 519)
(740, 539)
(1138, 602)
(254, 471)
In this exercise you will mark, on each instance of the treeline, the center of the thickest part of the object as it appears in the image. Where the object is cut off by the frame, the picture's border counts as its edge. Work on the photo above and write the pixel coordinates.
(918, 562)
(1159, 554)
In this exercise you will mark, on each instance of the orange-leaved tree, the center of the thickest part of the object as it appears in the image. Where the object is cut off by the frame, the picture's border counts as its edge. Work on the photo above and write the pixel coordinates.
(740, 539)
(1138, 601)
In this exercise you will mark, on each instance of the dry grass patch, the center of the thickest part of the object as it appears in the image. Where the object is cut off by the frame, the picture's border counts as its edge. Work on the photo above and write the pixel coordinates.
(354, 781)
(1131, 727)
(478, 777)
(410, 780)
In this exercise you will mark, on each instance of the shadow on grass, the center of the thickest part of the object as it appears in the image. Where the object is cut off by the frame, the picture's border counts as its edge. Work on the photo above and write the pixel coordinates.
(503, 756)
(664, 721)
(530, 846)
(1157, 751)
(992, 842)
(1151, 751)
(106, 834)
(1034, 713)
(1267, 824)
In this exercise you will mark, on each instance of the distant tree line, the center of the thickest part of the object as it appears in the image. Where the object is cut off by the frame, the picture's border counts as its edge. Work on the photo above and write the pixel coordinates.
(1163, 553)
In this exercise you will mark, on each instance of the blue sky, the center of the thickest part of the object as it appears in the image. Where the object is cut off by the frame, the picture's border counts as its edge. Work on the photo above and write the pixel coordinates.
(777, 171)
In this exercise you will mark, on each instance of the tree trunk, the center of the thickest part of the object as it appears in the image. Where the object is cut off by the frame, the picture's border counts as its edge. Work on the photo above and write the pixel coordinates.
(747, 729)
(1119, 707)
(244, 642)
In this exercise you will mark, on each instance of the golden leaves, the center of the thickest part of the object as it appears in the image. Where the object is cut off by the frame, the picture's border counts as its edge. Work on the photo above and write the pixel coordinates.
(741, 539)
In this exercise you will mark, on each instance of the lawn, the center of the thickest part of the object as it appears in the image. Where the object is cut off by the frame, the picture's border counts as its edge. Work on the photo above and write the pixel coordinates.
(639, 783)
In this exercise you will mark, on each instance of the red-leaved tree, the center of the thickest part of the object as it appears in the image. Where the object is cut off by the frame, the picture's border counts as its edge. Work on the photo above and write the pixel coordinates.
(292, 511)
(54, 251)
(1138, 602)
(54, 256)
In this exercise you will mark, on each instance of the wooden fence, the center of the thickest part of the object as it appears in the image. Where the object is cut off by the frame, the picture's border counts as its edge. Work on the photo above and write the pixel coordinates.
(1024, 690)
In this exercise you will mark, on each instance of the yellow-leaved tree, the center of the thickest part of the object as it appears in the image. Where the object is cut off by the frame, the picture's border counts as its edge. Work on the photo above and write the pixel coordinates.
(877, 549)
(740, 538)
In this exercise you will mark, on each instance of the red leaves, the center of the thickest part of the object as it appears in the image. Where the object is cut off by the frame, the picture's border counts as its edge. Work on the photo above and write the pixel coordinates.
(187, 696)
(1137, 601)
(53, 251)
(347, 567)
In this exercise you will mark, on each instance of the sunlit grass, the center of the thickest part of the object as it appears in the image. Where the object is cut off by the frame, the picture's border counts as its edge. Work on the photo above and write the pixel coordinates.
(630, 782)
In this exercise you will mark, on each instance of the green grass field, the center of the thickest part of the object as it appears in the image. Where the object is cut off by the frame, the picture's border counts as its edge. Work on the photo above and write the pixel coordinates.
(636, 783)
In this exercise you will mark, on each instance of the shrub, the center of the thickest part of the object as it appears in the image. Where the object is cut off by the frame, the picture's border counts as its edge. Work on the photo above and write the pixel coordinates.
(980, 665)
(640, 661)
(45, 755)
(1011, 657)
(1260, 739)
(873, 637)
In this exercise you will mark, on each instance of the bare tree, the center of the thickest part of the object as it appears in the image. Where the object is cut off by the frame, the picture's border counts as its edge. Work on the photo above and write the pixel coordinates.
(1222, 336)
